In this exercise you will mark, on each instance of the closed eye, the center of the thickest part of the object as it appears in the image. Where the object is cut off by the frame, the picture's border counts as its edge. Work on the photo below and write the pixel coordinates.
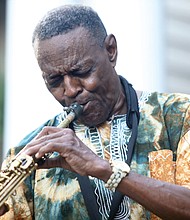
(54, 81)
(82, 73)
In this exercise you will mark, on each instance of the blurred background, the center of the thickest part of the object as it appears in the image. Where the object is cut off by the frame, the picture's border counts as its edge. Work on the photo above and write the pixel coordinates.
(154, 54)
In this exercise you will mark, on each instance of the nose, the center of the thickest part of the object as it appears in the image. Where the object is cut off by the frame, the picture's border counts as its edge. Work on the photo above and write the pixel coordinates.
(72, 86)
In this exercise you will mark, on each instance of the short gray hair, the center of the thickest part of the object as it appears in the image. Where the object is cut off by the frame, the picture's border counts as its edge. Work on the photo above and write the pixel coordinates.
(65, 18)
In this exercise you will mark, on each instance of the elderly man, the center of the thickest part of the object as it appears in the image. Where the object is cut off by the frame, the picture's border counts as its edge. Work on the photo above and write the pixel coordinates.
(100, 167)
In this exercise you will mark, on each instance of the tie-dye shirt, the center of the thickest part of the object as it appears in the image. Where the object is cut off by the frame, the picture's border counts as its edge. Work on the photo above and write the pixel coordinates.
(163, 140)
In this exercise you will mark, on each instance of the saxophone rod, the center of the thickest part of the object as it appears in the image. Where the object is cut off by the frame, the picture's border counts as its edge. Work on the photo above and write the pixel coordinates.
(75, 111)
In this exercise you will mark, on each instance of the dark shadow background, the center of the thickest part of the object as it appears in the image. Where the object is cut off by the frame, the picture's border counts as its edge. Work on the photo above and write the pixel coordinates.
(2, 69)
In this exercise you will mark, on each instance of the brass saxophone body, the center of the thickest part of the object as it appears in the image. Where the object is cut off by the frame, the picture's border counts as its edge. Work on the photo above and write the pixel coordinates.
(23, 165)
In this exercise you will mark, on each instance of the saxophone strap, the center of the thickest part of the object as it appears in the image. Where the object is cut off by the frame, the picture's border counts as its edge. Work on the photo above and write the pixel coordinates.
(132, 120)
(89, 197)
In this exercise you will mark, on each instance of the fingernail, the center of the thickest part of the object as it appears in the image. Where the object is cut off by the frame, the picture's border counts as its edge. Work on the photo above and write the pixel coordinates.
(37, 155)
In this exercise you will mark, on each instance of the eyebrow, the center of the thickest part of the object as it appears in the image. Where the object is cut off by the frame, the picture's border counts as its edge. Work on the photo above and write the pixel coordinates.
(82, 63)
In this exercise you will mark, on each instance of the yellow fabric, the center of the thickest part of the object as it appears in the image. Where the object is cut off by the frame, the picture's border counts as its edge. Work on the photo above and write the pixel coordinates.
(162, 166)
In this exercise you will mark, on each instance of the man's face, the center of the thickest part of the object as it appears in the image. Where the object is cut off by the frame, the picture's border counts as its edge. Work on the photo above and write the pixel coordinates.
(76, 69)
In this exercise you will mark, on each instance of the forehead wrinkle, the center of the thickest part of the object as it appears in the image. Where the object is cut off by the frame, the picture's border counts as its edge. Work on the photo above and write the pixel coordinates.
(75, 65)
(64, 59)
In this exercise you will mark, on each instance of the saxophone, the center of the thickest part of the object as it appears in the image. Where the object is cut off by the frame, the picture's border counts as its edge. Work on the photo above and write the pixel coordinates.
(23, 165)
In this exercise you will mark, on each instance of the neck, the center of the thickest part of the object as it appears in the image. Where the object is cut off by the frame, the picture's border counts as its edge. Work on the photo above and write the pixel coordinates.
(121, 104)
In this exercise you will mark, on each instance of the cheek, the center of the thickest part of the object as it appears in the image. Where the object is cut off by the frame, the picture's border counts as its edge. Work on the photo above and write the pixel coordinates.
(95, 84)
(90, 84)
(102, 90)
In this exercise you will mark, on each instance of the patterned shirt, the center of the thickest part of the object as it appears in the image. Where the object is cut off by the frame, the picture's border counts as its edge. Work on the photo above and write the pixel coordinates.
(162, 142)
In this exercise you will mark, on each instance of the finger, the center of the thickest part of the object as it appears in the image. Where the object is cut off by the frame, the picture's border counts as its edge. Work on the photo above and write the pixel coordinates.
(54, 135)
(55, 162)
(47, 130)
(41, 136)
(60, 143)
(4, 208)
(49, 147)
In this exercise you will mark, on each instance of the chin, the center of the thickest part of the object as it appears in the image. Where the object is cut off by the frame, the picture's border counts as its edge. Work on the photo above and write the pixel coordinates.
(92, 121)
(94, 114)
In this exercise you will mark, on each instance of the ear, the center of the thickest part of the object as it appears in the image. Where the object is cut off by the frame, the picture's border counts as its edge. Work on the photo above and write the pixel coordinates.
(111, 47)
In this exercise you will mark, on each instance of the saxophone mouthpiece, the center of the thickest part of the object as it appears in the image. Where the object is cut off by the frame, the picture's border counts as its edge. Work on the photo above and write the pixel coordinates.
(77, 109)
